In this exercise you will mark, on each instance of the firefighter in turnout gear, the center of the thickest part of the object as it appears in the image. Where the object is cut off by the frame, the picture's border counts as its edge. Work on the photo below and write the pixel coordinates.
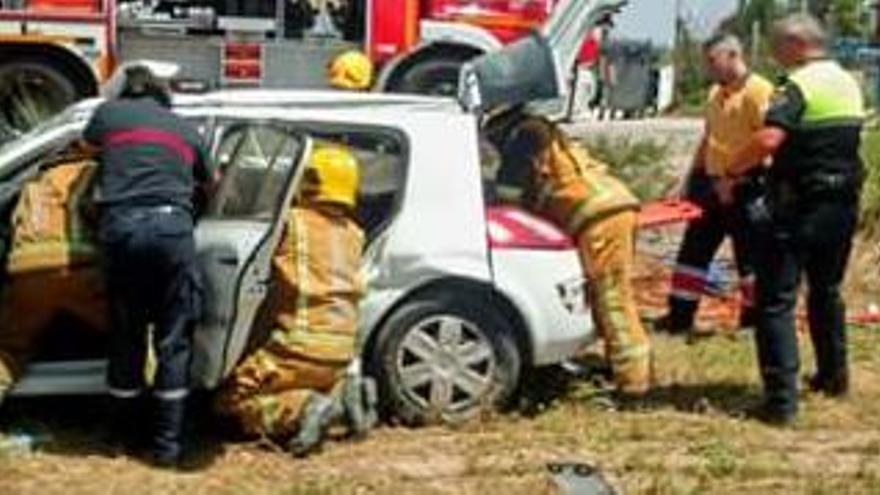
(564, 183)
(52, 267)
(305, 377)
(813, 131)
(735, 109)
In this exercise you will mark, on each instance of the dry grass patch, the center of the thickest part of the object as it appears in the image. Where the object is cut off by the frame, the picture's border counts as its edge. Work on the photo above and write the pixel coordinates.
(690, 437)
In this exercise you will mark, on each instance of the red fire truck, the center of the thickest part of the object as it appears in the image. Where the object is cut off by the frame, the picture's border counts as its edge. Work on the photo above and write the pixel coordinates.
(53, 52)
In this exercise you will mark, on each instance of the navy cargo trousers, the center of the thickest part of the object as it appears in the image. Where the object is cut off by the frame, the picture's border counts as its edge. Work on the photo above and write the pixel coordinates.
(152, 278)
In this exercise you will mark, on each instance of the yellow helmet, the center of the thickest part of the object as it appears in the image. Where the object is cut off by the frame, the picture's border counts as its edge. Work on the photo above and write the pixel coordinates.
(332, 176)
(350, 70)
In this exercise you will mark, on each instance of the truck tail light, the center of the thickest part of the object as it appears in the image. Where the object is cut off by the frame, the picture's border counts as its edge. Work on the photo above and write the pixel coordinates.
(242, 62)
(513, 228)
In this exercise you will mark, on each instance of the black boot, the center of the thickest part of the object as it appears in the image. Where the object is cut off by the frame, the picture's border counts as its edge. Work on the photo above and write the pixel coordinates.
(168, 433)
(833, 385)
(673, 324)
(125, 433)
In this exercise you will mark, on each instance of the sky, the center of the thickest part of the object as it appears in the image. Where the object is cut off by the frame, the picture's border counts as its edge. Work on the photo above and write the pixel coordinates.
(655, 19)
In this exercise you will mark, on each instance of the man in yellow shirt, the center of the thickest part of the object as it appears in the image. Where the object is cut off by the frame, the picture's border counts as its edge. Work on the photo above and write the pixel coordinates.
(734, 110)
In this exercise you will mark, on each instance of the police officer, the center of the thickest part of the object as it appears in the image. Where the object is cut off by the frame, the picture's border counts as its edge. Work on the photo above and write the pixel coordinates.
(150, 162)
(813, 130)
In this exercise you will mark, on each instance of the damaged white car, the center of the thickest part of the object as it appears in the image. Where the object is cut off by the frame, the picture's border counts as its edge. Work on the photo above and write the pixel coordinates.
(462, 296)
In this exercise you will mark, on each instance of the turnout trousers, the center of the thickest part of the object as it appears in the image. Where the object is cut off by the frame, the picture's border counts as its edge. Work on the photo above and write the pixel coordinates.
(607, 249)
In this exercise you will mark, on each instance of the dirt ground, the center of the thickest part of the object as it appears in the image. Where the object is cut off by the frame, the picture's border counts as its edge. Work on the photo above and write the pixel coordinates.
(691, 436)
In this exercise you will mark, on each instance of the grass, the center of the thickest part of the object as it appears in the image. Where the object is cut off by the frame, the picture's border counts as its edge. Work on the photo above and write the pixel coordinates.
(690, 437)
(644, 164)
(870, 218)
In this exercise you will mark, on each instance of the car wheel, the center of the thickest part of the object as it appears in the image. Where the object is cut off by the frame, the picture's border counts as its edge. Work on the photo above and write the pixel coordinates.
(445, 358)
(435, 77)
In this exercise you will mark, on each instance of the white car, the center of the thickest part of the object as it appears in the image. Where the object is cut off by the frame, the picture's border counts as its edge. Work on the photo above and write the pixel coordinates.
(461, 298)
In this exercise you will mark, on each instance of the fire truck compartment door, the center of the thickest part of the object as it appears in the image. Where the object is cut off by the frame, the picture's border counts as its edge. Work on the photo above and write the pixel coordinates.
(536, 67)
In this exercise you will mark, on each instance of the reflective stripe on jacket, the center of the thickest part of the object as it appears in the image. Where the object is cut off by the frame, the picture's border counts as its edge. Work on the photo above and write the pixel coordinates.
(318, 286)
(575, 189)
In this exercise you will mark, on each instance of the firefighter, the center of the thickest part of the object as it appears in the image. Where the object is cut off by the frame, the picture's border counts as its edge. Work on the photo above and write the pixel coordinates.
(812, 130)
(351, 70)
(734, 110)
(151, 163)
(575, 190)
(52, 267)
(305, 376)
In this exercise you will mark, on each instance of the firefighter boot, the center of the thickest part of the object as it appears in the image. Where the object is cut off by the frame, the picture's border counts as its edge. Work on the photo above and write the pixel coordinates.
(168, 433)
(633, 376)
(360, 401)
(319, 413)
(126, 433)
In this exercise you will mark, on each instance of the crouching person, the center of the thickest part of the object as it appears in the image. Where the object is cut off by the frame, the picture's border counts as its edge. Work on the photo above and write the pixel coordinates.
(304, 378)
(565, 184)
(52, 267)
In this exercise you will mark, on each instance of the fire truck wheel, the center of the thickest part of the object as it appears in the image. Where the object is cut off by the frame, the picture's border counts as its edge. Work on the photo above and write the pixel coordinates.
(30, 92)
(437, 76)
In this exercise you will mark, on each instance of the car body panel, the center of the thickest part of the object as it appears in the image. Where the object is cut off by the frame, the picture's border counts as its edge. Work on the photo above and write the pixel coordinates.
(548, 289)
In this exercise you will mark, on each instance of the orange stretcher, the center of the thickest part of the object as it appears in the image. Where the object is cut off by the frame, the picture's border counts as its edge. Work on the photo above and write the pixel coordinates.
(667, 212)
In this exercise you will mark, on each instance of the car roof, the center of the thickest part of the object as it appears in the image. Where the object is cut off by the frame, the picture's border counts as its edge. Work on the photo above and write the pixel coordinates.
(317, 100)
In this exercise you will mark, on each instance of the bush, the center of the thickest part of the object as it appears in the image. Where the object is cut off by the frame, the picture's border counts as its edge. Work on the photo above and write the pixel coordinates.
(644, 164)
(871, 194)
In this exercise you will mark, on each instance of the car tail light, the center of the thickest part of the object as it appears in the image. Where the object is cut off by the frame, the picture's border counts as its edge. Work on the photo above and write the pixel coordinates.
(513, 228)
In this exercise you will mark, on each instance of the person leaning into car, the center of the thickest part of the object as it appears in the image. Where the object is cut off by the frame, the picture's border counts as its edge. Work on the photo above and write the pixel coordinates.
(813, 131)
(563, 182)
(150, 164)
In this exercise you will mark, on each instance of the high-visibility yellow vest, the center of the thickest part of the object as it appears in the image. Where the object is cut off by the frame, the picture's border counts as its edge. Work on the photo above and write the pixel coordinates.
(832, 95)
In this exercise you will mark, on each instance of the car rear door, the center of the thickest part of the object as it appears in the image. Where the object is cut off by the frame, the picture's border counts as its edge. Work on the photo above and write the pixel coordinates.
(536, 67)
(261, 163)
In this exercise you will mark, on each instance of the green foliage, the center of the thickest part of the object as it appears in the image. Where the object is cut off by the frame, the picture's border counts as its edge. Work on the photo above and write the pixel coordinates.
(870, 217)
(643, 164)
(692, 84)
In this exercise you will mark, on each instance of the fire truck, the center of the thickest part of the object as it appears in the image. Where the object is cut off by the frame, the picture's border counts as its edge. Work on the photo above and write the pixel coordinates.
(53, 52)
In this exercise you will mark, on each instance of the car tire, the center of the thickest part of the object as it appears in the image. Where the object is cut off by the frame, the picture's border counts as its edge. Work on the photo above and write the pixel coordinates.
(445, 358)
(435, 77)
(32, 91)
